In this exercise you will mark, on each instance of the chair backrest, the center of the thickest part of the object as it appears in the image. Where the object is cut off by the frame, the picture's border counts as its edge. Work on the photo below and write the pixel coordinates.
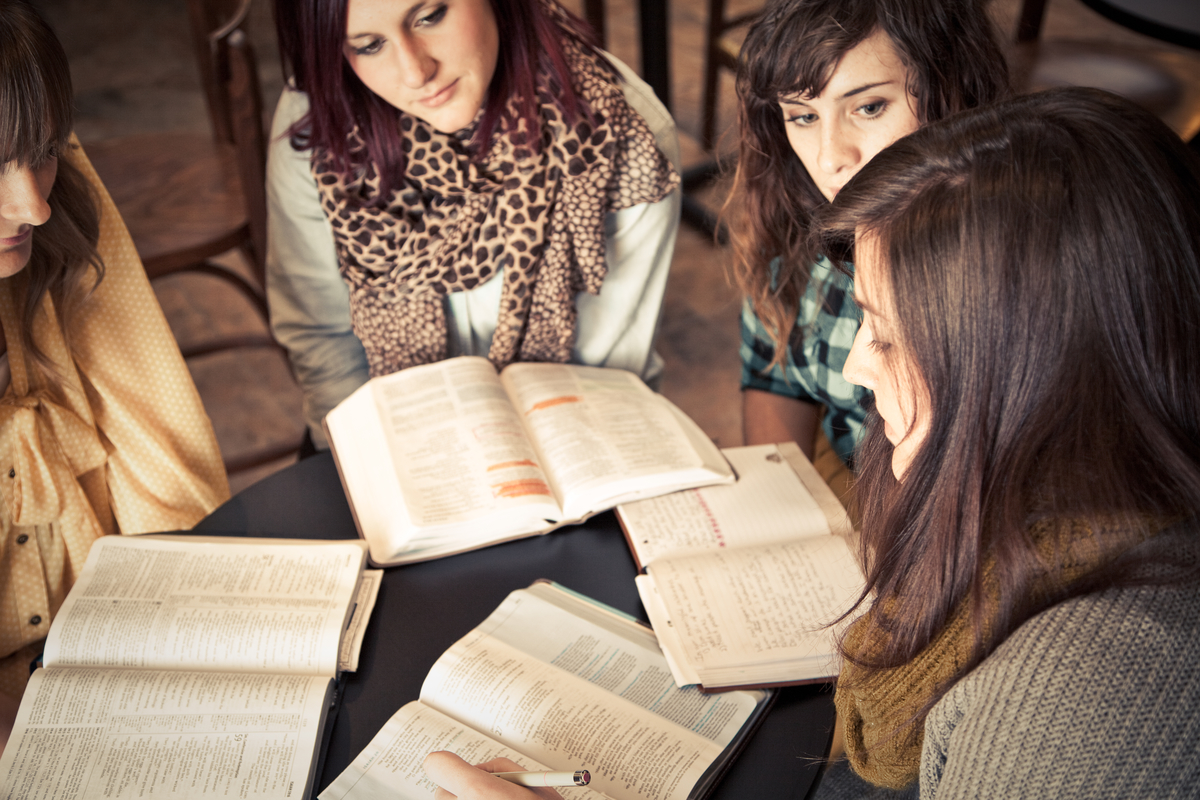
(207, 16)
(235, 55)
(593, 12)
(229, 75)
(1029, 23)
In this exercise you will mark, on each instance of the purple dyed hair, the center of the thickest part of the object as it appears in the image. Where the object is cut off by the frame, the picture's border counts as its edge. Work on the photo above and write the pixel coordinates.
(311, 36)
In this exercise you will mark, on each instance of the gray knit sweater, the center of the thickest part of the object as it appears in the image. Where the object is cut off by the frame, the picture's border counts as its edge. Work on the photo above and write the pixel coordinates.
(1098, 697)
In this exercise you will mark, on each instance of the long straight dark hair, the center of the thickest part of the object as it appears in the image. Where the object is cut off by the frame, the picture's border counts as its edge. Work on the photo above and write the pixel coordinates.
(311, 37)
(35, 124)
(1044, 260)
(954, 64)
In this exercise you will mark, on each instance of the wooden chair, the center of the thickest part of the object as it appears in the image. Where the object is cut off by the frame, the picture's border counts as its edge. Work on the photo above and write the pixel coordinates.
(720, 52)
(1139, 73)
(593, 14)
(188, 198)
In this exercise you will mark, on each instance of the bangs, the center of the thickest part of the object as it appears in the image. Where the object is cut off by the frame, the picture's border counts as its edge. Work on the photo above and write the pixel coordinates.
(35, 90)
(805, 74)
(31, 128)
(795, 55)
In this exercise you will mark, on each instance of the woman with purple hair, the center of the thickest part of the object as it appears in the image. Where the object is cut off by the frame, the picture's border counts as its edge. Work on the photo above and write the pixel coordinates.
(462, 177)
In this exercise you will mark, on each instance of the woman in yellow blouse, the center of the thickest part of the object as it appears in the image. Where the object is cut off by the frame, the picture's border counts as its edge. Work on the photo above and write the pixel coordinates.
(101, 428)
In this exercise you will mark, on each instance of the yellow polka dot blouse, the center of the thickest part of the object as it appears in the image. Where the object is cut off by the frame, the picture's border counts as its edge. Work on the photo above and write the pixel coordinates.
(124, 447)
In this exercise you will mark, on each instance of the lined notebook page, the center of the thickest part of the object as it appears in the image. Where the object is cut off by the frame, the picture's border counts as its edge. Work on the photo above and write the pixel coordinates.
(769, 503)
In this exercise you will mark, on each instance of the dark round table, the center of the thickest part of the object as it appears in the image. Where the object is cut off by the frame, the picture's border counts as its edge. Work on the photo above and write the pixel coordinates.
(424, 608)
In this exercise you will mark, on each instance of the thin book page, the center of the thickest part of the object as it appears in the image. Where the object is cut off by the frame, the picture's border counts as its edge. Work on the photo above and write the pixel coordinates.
(159, 604)
(457, 444)
(104, 733)
(762, 604)
(364, 605)
(769, 503)
(559, 720)
(594, 426)
(622, 658)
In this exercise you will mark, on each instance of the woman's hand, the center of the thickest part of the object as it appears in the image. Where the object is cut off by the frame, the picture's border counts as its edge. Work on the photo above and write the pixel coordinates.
(459, 779)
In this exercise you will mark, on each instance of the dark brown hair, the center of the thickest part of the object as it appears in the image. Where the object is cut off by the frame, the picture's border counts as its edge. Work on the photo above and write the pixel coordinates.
(954, 63)
(312, 34)
(35, 124)
(1045, 259)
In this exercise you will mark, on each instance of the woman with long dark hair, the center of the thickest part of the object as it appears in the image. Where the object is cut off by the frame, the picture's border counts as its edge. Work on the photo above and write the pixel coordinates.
(824, 85)
(101, 428)
(1029, 275)
(462, 177)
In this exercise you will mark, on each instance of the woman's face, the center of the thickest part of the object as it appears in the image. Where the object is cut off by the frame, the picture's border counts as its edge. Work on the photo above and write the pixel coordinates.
(433, 59)
(865, 107)
(878, 360)
(23, 192)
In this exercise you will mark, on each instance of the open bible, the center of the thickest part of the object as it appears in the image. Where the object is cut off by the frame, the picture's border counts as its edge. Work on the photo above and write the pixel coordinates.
(448, 457)
(741, 581)
(556, 681)
(184, 668)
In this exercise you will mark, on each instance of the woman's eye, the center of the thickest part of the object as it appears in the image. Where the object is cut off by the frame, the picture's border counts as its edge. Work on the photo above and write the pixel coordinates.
(803, 120)
(873, 109)
(433, 17)
(370, 48)
(43, 157)
(878, 346)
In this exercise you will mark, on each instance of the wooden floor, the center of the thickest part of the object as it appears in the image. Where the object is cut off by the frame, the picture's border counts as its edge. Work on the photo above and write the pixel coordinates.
(133, 72)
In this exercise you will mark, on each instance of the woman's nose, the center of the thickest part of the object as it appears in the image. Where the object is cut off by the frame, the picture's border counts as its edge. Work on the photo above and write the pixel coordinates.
(839, 150)
(856, 369)
(417, 67)
(21, 198)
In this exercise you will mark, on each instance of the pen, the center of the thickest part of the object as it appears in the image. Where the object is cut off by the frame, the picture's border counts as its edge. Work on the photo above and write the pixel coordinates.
(577, 778)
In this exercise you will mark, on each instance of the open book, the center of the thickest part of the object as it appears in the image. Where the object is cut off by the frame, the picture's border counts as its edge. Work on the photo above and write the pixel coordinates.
(186, 669)
(448, 457)
(554, 680)
(741, 580)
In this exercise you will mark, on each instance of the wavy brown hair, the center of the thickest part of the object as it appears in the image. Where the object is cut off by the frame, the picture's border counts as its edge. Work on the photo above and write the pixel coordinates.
(35, 125)
(954, 63)
(1045, 259)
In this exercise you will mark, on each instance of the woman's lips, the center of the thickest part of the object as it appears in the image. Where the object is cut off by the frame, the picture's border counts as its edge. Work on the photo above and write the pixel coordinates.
(441, 96)
(14, 241)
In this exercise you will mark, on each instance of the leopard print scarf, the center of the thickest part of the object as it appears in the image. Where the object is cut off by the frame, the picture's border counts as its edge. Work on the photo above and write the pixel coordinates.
(454, 223)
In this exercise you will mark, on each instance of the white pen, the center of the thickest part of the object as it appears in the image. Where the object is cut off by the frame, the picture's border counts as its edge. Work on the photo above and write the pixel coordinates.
(577, 778)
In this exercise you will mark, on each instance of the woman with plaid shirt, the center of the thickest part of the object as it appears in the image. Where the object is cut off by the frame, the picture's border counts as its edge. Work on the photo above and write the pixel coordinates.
(824, 85)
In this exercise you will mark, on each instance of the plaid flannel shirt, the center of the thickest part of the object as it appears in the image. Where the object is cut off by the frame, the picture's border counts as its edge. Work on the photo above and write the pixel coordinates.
(826, 324)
